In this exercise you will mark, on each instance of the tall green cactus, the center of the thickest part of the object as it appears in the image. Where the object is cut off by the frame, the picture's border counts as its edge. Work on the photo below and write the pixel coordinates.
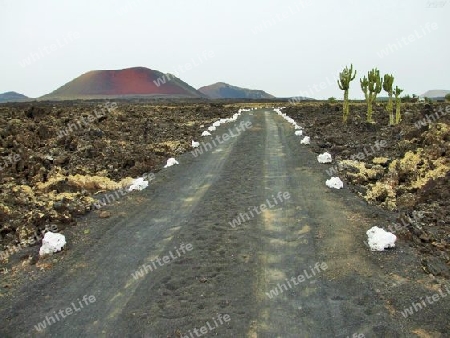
(371, 86)
(388, 82)
(345, 77)
(398, 102)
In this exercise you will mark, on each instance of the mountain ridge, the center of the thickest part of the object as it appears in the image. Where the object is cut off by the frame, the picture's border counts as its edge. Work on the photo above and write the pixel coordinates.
(435, 93)
(13, 97)
(223, 90)
(123, 83)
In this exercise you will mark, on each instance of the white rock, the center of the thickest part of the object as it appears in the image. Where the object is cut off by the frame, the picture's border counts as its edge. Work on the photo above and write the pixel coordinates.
(379, 239)
(51, 243)
(170, 162)
(138, 184)
(212, 128)
(298, 133)
(206, 133)
(305, 140)
(195, 144)
(335, 182)
(324, 158)
(216, 124)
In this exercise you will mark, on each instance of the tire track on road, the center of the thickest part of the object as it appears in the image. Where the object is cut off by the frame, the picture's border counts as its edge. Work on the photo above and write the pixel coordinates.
(288, 251)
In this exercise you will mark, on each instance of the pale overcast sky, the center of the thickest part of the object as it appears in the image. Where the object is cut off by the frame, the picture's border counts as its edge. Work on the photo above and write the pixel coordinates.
(285, 47)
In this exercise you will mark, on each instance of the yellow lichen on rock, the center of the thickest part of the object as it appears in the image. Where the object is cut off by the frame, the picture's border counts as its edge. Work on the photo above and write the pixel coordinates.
(409, 163)
(412, 172)
(23, 189)
(418, 168)
(4, 210)
(363, 173)
(170, 145)
(68, 197)
(25, 232)
(83, 182)
(384, 193)
(51, 181)
(440, 169)
(437, 133)
(97, 183)
(380, 160)
(58, 199)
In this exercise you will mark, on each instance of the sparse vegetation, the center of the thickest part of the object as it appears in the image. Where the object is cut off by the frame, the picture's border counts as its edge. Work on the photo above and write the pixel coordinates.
(345, 77)
(447, 97)
(371, 86)
(406, 98)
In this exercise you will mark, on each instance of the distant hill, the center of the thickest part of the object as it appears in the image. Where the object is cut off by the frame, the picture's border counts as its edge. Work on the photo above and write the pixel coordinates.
(435, 93)
(222, 90)
(13, 97)
(124, 83)
(296, 99)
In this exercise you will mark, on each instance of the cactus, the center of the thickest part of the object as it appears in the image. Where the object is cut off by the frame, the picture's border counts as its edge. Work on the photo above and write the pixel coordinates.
(387, 86)
(371, 86)
(345, 77)
(398, 103)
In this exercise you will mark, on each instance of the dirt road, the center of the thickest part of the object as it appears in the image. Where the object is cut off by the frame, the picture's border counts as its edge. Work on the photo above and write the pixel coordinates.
(244, 240)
